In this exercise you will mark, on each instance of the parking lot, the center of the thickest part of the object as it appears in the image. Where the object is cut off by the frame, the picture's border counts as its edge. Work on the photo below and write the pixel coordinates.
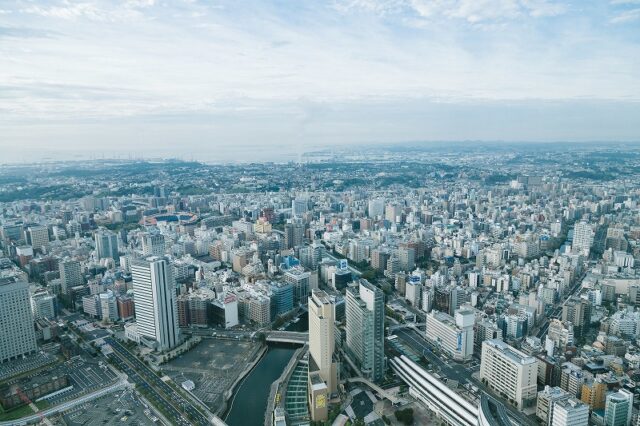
(86, 375)
(28, 363)
(213, 366)
(124, 408)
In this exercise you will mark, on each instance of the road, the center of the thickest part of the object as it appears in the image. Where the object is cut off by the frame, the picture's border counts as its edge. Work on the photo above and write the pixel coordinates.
(160, 392)
(557, 310)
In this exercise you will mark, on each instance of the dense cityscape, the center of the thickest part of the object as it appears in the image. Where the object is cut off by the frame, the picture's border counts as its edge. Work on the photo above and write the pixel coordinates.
(389, 285)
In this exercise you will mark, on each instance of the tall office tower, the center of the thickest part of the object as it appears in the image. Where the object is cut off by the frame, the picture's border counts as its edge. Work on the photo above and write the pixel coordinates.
(70, 275)
(154, 289)
(293, 234)
(509, 372)
(582, 238)
(107, 245)
(43, 305)
(18, 337)
(452, 336)
(376, 208)
(38, 236)
(365, 328)
(578, 312)
(153, 244)
(617, 411)
(323, 370)
(570, 412)
(299, 206)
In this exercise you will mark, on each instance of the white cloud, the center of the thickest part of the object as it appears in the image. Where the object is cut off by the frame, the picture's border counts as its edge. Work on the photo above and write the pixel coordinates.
(630, 15)
(473, 11)
(624, 2)
(187, 61)
(99, 11)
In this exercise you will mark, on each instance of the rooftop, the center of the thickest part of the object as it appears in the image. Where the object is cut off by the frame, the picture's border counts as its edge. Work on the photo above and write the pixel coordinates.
(510, 352)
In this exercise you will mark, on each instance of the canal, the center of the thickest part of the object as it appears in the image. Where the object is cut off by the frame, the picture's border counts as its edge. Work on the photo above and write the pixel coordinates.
(250, 400)
(301, 325)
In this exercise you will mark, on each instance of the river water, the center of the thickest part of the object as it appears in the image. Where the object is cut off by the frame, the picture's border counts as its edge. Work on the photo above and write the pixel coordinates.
(250, 401)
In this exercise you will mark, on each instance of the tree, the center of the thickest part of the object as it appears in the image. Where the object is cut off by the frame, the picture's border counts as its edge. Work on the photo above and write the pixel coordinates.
(405, 416)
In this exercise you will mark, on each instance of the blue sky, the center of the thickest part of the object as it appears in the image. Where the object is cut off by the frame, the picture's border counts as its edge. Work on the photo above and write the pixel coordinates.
(203, 76)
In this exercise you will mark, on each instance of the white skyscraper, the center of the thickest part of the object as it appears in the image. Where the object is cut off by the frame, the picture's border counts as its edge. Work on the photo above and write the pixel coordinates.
(321, 336)
(18, 336)
(322, 367)
(154, 289)
(583, 238)
(365, 328)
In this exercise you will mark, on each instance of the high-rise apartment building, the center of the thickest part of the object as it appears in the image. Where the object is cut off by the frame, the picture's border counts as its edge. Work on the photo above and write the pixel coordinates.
(70, 275)
(321, 353)
(153, 244)
(18, 336)
(107, 245)
(509, 372)
(578, 312)
(452, 336)
(365, 328)
(156, 310)
(38, 236)
(293, 234)
(583, 238)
